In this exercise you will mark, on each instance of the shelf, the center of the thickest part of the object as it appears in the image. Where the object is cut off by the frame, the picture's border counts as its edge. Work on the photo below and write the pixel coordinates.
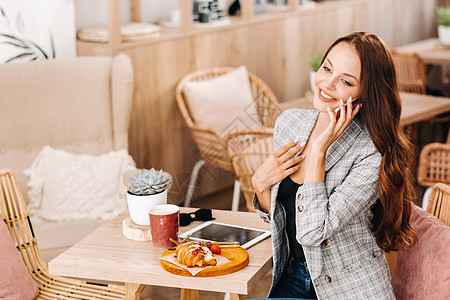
(186, 26)
(115, 41)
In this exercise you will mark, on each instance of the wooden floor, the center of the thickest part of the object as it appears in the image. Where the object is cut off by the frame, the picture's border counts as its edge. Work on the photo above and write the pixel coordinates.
(220, 200)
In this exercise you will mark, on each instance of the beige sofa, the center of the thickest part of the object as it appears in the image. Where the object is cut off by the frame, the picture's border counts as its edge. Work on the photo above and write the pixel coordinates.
(79, 105)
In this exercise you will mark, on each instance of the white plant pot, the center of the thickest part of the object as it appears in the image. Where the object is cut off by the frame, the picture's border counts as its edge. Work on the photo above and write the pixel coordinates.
(444, 34)
(139, 206)
(312, 75)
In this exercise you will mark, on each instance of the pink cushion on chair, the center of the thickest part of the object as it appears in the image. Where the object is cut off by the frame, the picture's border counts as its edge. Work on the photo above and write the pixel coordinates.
(15, 281)
(423, 272)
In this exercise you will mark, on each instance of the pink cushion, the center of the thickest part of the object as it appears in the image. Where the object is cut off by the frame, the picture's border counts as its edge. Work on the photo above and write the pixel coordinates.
(423, 272)
(15, 281)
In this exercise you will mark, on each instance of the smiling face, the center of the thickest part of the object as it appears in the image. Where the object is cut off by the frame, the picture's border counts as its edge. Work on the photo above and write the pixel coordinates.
(337, 78)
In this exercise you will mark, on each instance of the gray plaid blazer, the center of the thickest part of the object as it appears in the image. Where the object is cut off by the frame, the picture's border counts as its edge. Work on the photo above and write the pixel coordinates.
(333, 217)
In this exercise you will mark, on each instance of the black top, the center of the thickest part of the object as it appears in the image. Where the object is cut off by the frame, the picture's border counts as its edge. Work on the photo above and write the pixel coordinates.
(286, 196)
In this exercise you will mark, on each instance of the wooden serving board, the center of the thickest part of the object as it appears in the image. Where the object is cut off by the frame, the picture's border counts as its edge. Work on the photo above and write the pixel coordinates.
(136, 232)
(238, 259)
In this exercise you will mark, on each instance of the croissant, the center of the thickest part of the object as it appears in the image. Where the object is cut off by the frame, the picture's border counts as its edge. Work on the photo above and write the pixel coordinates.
(195, 254)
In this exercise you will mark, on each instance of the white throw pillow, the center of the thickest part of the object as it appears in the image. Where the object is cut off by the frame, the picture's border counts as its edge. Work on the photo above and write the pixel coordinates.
(223, 103)
(66, 186)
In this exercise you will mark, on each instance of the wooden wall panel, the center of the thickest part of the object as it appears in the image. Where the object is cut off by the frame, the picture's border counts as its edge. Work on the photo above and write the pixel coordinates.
(275, 46)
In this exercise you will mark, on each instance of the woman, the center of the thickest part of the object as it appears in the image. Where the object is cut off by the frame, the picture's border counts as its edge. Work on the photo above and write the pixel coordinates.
(338, 189)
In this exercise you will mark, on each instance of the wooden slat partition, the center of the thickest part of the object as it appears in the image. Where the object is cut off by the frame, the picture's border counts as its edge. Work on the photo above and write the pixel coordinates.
(185, 15)
(273, 45)
(247, 9)
(135, 10)
(114, 23)
(293, 4)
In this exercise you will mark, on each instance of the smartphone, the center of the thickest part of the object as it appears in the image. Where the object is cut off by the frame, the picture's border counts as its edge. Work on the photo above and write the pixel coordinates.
(355, 102)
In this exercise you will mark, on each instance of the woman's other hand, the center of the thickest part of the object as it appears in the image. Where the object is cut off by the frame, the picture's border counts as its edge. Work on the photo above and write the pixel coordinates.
(275, 168)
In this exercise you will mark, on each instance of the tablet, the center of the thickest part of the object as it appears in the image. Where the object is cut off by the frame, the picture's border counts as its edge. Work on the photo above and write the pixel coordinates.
(220, 232)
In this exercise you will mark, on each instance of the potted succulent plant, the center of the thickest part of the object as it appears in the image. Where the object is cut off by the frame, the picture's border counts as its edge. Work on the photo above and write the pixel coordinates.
(443, 20)
(314, 61)
(146, 189)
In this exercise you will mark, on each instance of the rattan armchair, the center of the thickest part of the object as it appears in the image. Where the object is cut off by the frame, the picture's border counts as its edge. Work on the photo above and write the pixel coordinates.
(410, 71)
(434, 167)
(248, 150)
(439, 204)
(211, 145)
(14, 213)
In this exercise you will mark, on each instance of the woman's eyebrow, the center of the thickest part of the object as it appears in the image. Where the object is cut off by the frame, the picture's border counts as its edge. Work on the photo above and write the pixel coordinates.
(350, 75)
(347, 74)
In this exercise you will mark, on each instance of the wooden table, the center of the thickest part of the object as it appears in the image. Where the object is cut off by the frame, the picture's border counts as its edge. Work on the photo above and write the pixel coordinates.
(415, 107)
(107, 255)
(430, 50)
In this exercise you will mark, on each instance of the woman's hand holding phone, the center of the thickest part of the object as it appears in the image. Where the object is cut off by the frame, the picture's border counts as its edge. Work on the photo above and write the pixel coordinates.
(354, 103)
(339, 120)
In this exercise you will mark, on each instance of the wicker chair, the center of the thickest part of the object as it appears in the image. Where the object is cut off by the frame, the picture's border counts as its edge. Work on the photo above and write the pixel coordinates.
(439, 204)
(410, 71)
(434, 167)
(14, 213)
(212, 146)
(248, 150)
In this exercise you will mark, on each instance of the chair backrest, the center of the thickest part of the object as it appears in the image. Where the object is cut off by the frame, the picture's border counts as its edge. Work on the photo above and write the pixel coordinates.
(81, 105)
(212, 146)
(410, 72)
(248, 150)
(439, 204)
(434, 164)
(265, 100)
(14, 212)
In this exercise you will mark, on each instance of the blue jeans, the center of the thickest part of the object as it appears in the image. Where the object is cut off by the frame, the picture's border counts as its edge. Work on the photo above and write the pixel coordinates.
(294, 283)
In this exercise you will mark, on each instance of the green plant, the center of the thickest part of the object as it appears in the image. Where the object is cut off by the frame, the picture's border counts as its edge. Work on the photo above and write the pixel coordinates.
(23, 48)
(314, 61)
(443, 15)
(148, 182)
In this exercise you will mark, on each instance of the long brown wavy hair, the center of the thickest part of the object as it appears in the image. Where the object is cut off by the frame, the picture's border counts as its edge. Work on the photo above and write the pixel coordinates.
(380, 114)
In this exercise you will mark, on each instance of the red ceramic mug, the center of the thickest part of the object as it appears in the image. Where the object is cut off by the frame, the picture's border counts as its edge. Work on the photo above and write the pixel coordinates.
(164, 221)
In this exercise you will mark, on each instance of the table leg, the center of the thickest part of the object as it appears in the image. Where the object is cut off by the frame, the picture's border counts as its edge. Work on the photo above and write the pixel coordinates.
(134, 290)
(234, 297)
(187, 294)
